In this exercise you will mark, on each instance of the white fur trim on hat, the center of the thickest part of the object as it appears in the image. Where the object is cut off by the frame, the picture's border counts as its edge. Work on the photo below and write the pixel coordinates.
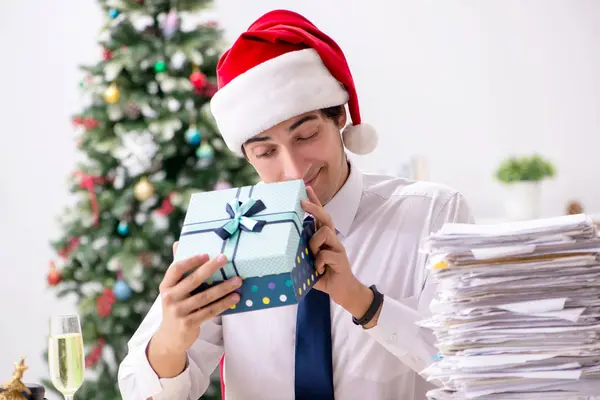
(360, 139)
(272, 92)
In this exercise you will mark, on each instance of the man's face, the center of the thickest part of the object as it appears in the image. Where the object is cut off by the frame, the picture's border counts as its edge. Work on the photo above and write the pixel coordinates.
(307, 147)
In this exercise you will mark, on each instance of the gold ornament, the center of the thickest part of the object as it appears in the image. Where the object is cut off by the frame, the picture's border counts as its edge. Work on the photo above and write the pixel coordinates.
(143, 189)
(14, 388)
(112, 95)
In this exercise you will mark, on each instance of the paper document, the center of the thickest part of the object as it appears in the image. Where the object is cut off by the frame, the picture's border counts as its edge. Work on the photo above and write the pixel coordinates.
(517, 310)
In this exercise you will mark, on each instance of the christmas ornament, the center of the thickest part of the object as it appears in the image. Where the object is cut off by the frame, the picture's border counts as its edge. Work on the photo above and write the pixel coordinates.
(107, 54)
(198, 79)
(137, 152)
(93, 357)
(132, 111)
(160, 66)
(54, 277)
(90, 123)
(88, 182)
(112, 95)
(143, 189)
(69, 248)
(104, 303)
(171, 24)
(15, 389)
(192, 136)
(222, 185)
(166, 207)
(205, 151)
(77, 120)
(123, 228)
(121, 290)
(113, 13)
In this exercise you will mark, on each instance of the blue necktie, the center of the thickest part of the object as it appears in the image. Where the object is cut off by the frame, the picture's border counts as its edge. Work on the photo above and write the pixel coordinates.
(314, 369)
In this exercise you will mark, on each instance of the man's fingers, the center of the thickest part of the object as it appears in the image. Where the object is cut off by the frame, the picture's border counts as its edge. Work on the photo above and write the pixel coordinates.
(177, 269)
(200, 275)
(321, 216)
(208, 296)
(175, 247)
(326, 258)
(215, 309)
(324, 237)
(312, 196)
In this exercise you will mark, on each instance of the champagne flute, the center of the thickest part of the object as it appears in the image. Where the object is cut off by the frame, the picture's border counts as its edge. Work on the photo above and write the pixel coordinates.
(65, 354)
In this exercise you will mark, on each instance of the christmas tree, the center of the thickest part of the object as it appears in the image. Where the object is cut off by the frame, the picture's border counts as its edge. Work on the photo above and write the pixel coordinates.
(147, 141)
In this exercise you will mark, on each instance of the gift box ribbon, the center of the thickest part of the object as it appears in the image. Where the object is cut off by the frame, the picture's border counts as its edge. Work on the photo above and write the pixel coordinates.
(240, 213)
(242, 218)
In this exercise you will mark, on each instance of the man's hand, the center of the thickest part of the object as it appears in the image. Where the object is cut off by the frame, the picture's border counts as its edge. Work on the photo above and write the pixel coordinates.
(184, 314)
(332, 263)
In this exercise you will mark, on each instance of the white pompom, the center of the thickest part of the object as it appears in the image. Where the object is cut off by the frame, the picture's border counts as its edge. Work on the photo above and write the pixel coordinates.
(360, 139)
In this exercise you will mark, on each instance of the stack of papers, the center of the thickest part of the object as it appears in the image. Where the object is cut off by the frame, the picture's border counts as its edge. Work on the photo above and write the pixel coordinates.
(517, 314)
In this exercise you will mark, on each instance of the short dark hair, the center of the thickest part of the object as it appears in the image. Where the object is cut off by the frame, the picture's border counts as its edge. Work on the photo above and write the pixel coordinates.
(333, 113)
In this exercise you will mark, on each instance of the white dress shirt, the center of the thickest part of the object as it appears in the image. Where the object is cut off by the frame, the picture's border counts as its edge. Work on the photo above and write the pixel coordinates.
(381, 222)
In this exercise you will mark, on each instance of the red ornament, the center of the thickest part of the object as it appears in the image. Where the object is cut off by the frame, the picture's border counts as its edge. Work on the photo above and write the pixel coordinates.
(105, 302)
(198, 79)
(166, 207)
(107, 54)
(54, 277)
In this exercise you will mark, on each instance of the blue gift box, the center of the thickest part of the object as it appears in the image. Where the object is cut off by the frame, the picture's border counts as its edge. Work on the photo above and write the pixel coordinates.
(260, 230)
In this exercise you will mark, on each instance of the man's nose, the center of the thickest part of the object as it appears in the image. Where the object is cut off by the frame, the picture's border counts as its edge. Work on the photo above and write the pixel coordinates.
(293, 169)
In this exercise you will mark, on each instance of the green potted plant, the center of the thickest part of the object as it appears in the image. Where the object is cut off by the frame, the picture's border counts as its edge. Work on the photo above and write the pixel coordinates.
(522, 175)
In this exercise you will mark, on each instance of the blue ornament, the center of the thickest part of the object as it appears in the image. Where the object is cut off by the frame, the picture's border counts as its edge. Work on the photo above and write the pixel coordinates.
(113, 13)
(205, 151)
(193, 137)
(121, 290)
(123, 228)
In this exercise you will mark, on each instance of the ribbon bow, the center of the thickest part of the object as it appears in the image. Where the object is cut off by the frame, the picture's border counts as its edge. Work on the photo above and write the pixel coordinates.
(240, 213)
(88, 182)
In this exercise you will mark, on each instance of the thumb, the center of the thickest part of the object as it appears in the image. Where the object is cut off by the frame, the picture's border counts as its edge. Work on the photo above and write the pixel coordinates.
(175, 248)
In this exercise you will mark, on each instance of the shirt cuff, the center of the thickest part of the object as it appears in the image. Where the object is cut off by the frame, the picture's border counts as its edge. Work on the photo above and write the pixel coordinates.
(176, 388)
(398, 332)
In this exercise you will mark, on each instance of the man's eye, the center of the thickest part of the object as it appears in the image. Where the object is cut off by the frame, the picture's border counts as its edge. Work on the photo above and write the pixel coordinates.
(266, 154)
(309, 137)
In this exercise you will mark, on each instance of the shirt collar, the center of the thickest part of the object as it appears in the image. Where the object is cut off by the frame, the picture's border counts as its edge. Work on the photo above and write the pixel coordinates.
(344, 205)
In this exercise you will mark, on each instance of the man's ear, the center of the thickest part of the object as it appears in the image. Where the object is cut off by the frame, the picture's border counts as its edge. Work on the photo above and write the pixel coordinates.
(342, 119)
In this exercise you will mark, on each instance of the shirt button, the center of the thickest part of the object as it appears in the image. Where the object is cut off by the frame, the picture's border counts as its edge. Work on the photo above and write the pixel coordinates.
(392, 337)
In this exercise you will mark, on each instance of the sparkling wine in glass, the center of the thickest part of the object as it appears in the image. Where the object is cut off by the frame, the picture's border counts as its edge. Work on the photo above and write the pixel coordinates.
(65, 354)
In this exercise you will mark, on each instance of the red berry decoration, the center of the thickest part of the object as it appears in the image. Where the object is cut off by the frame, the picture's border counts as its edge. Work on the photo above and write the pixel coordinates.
(107, 54)
(54, 277)
(198, 79)
(77, 120)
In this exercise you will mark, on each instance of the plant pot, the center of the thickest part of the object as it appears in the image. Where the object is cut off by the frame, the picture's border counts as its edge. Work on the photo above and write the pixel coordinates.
(523, 201)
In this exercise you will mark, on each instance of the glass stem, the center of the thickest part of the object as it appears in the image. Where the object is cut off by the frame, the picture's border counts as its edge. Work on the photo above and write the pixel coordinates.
(69, 397)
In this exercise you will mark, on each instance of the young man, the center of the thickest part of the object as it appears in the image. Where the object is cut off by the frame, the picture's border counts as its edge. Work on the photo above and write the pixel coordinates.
(282, 90)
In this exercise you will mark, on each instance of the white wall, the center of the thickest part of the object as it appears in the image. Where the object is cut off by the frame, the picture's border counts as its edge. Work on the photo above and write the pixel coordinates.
(462, 82)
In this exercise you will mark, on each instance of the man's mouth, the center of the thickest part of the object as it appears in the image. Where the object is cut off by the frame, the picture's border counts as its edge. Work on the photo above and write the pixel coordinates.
(312, 179)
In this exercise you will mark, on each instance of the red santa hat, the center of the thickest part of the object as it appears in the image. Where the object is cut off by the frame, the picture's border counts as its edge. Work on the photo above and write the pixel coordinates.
(281, 67)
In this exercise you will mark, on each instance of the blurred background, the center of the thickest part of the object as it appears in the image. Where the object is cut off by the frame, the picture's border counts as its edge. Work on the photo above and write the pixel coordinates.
(454, 88)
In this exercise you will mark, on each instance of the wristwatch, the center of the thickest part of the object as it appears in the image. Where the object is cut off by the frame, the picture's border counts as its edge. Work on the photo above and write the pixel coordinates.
(372, 310)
